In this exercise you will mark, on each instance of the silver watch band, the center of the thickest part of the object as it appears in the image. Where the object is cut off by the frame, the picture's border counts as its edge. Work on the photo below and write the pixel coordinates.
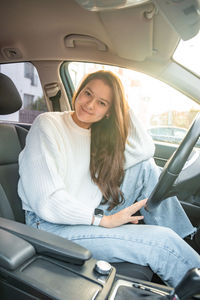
(97, 220)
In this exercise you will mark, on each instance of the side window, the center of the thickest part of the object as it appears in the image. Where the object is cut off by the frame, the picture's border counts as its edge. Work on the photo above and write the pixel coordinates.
(166, 113)
(26, 79)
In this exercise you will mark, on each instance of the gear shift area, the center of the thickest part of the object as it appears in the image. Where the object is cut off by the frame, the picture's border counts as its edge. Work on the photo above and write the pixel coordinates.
(189, 285)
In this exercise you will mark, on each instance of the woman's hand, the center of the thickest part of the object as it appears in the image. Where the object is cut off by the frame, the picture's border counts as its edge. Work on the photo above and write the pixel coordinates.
(124, 216)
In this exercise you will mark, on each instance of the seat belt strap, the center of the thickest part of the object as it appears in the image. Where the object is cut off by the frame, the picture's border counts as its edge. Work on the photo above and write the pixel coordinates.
(55, 100)
(53, 93)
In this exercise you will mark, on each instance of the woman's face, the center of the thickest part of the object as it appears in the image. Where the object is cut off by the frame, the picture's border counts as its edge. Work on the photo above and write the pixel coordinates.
(93, 103)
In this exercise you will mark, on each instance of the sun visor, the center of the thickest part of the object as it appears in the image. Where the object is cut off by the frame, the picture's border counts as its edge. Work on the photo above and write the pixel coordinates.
(183, 16)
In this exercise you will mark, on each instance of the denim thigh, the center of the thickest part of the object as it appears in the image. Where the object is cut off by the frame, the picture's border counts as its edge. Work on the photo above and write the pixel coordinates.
(158, 247)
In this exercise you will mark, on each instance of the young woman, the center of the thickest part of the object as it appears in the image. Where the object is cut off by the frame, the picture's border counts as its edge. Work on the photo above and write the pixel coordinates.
(99, 156)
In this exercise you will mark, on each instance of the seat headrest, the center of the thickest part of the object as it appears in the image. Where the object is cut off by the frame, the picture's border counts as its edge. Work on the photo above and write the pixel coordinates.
(10, 100)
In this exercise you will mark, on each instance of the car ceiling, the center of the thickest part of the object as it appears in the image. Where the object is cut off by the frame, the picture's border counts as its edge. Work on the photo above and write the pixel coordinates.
(37, 30)
(137, 37)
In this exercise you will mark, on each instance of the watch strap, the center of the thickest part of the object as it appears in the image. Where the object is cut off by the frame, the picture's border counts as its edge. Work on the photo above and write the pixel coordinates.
(97, 220)
(98, 215)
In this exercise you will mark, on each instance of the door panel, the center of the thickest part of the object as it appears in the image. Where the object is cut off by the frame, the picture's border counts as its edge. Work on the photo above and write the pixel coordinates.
(163, 152)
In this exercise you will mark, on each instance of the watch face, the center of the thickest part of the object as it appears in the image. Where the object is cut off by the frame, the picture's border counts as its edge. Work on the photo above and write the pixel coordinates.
(98, 212)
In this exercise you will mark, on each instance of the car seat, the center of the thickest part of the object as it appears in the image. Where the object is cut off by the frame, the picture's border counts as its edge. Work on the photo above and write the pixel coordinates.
(12, 141)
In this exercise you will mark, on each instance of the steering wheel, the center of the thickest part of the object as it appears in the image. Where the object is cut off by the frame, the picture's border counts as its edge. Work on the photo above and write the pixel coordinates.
(173, 167)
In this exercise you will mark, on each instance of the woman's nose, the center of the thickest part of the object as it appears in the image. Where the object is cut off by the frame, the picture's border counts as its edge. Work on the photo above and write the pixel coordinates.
(91, 104)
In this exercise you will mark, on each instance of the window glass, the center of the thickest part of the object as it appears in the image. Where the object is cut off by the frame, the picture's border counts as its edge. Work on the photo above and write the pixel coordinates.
(26, 80)
(28, 101)
(187, 54)
(166, 113)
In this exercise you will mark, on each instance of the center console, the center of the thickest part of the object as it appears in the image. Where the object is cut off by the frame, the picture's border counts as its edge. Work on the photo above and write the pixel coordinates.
(136, 289)
(38, 265)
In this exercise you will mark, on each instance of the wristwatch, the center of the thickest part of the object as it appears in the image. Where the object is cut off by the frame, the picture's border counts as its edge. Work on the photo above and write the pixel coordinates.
(98, 215)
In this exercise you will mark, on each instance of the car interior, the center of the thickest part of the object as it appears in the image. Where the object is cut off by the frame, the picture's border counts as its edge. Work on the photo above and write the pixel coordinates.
(138, 35)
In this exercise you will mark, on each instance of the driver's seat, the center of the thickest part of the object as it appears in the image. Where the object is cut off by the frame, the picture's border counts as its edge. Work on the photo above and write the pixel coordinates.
(12, 141)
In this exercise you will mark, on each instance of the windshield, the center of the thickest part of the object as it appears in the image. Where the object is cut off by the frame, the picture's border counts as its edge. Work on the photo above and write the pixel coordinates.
(187, 54)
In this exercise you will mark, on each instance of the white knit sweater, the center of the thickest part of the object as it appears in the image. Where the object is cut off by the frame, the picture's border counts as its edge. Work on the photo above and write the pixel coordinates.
(55, 179)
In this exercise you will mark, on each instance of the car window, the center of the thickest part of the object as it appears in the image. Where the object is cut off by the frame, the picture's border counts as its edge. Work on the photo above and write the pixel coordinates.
(179, 133)
(187, 54)
(26, 79)
(166, 113)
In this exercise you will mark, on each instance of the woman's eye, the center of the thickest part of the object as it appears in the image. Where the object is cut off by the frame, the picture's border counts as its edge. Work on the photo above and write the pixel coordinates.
(102, 103)
(87, 93)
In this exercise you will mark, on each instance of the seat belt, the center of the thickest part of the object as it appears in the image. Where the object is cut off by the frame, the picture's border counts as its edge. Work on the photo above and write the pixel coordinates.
(53, 93)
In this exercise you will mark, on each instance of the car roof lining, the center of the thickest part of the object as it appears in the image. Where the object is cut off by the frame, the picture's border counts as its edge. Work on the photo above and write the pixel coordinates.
(39, 32)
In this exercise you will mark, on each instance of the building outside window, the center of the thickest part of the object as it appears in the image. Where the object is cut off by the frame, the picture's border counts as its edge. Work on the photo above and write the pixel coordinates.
(25, 77)
(28, 101)
(30, 73)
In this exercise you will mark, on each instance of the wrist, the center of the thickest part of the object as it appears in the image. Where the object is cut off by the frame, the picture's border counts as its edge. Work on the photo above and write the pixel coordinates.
(106, 221)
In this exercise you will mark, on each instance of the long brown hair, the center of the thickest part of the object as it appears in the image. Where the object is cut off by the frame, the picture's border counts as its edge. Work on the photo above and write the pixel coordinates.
(108, 138)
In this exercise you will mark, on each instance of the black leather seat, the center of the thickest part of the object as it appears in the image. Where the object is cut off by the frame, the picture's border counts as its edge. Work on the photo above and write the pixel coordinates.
(12, 141)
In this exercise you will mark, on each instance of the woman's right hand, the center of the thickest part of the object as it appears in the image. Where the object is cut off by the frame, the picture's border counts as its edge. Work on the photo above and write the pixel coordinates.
(124, 216)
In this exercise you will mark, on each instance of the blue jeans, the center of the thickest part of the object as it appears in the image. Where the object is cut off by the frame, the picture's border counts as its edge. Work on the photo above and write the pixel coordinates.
(161, 247)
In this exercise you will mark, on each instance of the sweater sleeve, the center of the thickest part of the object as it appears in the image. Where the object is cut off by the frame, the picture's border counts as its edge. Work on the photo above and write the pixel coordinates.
(139, 146)
(41, 186)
